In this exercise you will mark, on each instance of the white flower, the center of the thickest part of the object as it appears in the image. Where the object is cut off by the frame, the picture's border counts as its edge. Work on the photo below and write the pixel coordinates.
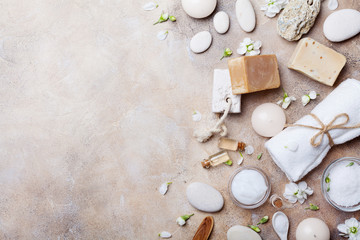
(196, 116)
(350, 229)
(305, 100)
(164, 187)
(249, 47)
(162, 35)
(286, 101)
(297, 192)
(180, 221)
(307, 97)
(273, 7)
(165, 234)
(150, 6)
(240, 161)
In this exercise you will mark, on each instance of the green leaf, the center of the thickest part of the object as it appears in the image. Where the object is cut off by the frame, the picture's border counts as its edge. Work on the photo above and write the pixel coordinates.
(328, 189)
(241, 154)
(186, 217)
(229, 162)
(168, 183)
(350, 164)
(312, 207)
(259, 156)
(263, 220)
(327, 179)
(255, 228)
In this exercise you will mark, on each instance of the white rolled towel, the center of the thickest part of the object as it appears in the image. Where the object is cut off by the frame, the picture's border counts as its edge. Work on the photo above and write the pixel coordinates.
(292, 150)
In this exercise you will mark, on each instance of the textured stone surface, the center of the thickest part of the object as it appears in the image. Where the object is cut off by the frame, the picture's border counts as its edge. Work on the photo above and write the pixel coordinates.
(96, 113)
(297, 18)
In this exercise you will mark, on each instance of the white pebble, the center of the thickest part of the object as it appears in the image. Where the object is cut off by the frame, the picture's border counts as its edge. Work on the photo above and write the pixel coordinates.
(198, 8)
(245, 15)
(342, 25)
(200, 42)
(221, 22)
(204, 197)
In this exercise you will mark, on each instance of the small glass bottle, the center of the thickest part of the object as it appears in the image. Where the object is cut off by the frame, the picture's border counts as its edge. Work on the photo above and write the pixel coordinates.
(231, 145)
(216, 159)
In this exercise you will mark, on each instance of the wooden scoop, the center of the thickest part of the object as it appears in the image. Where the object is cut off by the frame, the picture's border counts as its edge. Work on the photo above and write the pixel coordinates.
(205, 228)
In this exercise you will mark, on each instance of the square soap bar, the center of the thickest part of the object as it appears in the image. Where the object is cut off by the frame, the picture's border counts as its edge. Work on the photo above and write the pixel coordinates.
(222, 90)
(317, 61)
(254, 73)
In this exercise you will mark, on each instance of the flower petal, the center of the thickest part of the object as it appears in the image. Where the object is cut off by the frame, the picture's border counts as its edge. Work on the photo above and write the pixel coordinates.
(247, 41)
(164, 188)
(150, 6)
(309, 191)
(162, 35)
(241, 50)
(196, 117)
(352, 222)
(312, 95)
(165, 234)
(343, 228)
(254, 52)
(302, 185)
(257, 45)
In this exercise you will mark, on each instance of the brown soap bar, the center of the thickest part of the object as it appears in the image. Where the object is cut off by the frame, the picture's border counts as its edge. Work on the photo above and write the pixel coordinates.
(254, 73)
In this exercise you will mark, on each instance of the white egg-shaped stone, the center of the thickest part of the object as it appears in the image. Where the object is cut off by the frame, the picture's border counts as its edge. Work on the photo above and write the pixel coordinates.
(312, 229)
(268, 119)
(199, 8)
(200, 42)
(245, 15)
(342, 25)
(221, 22)
(204, 197)
(238, 232)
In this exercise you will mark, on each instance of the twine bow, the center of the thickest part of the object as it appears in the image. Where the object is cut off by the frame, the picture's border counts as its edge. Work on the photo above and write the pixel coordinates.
(324, 129)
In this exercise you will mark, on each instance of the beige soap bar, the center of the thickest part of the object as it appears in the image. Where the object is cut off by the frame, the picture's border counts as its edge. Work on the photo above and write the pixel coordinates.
(253, 73)
(317, 61)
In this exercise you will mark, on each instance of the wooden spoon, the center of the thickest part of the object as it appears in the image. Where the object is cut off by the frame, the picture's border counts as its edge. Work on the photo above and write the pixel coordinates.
(205, 228)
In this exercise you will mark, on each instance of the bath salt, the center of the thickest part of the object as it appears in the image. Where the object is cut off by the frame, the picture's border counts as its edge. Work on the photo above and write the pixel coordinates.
(344, 183)
(249, 186)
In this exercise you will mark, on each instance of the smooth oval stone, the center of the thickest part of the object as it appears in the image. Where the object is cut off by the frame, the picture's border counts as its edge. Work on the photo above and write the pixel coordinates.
(245, 15)
(238, 232)
(204, 197)
(200, 42)
(199, 8)
(221, 22)
(342, 25)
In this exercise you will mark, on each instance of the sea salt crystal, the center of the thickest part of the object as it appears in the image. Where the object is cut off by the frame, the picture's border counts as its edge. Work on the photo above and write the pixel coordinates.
(345, 183)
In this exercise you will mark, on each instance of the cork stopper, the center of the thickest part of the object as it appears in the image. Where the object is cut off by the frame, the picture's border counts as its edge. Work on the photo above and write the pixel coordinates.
(205, 163)
(241, 146)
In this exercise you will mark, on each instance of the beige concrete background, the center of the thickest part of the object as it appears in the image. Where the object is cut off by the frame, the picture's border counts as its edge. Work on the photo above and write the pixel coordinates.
(95, 113)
